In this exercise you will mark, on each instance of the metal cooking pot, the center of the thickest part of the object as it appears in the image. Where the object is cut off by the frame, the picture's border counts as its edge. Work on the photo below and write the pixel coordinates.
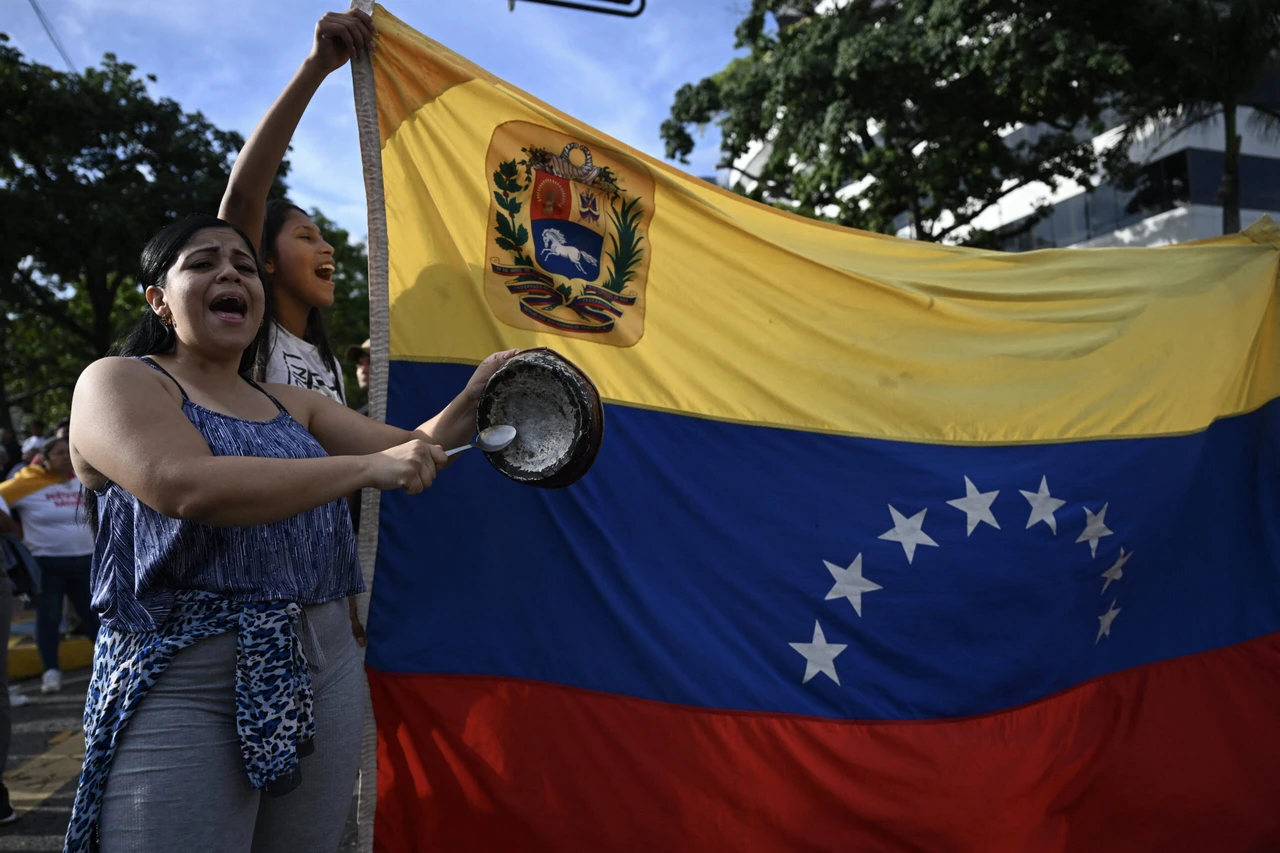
(557, 414)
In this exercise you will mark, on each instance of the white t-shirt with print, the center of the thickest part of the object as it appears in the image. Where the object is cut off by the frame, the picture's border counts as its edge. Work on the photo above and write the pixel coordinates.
(293, 361)
(53, 524)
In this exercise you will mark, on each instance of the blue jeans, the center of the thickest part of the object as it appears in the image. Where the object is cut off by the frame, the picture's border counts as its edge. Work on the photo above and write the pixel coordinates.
(61, 576)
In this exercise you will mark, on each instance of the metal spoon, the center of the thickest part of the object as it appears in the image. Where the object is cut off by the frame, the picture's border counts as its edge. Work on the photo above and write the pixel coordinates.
(490, 440)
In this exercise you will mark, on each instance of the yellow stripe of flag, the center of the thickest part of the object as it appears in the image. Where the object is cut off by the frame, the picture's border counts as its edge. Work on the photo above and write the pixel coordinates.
(700, 302)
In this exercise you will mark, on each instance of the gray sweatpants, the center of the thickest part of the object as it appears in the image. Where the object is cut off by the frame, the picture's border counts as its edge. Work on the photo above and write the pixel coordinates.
(178, 781)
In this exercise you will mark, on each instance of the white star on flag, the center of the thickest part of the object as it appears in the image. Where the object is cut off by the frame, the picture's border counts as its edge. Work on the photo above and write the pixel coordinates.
(1117, 570)
(819, 656)
(909, 532)
(850, 583)
(976, 506)
(1105, 620)
(1094, 528)
(1043, 506)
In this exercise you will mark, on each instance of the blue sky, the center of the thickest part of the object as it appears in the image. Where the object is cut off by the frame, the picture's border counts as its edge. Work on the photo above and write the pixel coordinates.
(230, 58)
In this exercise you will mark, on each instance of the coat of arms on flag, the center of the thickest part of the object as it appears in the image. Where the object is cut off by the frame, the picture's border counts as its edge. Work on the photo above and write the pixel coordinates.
(566, 244)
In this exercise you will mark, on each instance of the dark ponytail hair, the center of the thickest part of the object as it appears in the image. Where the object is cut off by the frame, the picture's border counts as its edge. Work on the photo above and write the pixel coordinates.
(277, 213)
(151, 335)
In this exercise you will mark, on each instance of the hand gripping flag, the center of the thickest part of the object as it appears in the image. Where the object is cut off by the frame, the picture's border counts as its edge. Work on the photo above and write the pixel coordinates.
(890, 546)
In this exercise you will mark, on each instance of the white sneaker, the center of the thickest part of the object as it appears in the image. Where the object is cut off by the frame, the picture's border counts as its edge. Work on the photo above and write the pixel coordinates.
(16, 700)
(52, 681)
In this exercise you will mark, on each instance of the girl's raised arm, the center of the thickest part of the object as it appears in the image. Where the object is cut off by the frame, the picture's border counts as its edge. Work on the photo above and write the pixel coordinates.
(339, 36)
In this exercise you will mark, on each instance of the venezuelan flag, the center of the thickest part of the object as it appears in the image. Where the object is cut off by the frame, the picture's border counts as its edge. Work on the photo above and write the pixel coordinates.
(890, 546)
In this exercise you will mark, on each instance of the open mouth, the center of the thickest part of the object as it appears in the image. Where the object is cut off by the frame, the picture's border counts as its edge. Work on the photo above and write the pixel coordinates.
(229, 306)
(325, 271)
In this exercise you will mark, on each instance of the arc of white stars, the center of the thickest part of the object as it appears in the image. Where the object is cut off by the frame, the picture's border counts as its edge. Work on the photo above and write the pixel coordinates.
(908, 532)
(1095, 528)
(819, 655)
(850, 583)
(1043, 506)
(976, 506)
(1117, 569)
(1105, 620)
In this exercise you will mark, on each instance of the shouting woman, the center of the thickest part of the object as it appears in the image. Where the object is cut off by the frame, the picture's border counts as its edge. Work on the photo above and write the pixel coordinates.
(225, 707)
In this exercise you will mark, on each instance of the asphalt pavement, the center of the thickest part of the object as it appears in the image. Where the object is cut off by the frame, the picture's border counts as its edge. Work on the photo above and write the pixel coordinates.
(44, 764)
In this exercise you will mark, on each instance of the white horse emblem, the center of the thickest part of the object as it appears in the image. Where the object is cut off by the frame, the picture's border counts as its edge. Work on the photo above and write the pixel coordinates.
(554, 246)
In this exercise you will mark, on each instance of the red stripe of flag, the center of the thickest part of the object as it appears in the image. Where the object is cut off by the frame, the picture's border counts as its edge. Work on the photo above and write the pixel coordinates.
(1181, 755)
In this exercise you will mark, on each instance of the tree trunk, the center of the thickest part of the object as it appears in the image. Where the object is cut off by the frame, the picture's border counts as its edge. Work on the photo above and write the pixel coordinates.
(101, 300)
(1229, 189)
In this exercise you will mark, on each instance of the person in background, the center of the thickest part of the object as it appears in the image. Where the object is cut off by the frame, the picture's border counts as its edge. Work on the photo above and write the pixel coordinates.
(70, 615)
(46, 498)
(297, 263)
(13, 697)
(359, 356)
(35, 436)
(30, 448)
(7, 814)
(298, 275)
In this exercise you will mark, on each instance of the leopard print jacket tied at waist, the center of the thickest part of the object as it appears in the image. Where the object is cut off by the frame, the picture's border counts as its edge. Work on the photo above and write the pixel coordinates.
(273, 693)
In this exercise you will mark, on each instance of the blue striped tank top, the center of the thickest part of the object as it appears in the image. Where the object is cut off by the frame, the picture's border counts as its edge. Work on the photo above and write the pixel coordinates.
(142, 559)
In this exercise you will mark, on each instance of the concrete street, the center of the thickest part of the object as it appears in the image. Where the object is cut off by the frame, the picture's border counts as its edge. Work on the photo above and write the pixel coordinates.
(44, 763)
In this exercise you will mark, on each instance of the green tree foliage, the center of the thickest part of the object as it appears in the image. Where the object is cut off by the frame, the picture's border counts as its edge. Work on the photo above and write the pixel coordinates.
(40, 358)
(910, 101)
(91, 165)
(1197, 61)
